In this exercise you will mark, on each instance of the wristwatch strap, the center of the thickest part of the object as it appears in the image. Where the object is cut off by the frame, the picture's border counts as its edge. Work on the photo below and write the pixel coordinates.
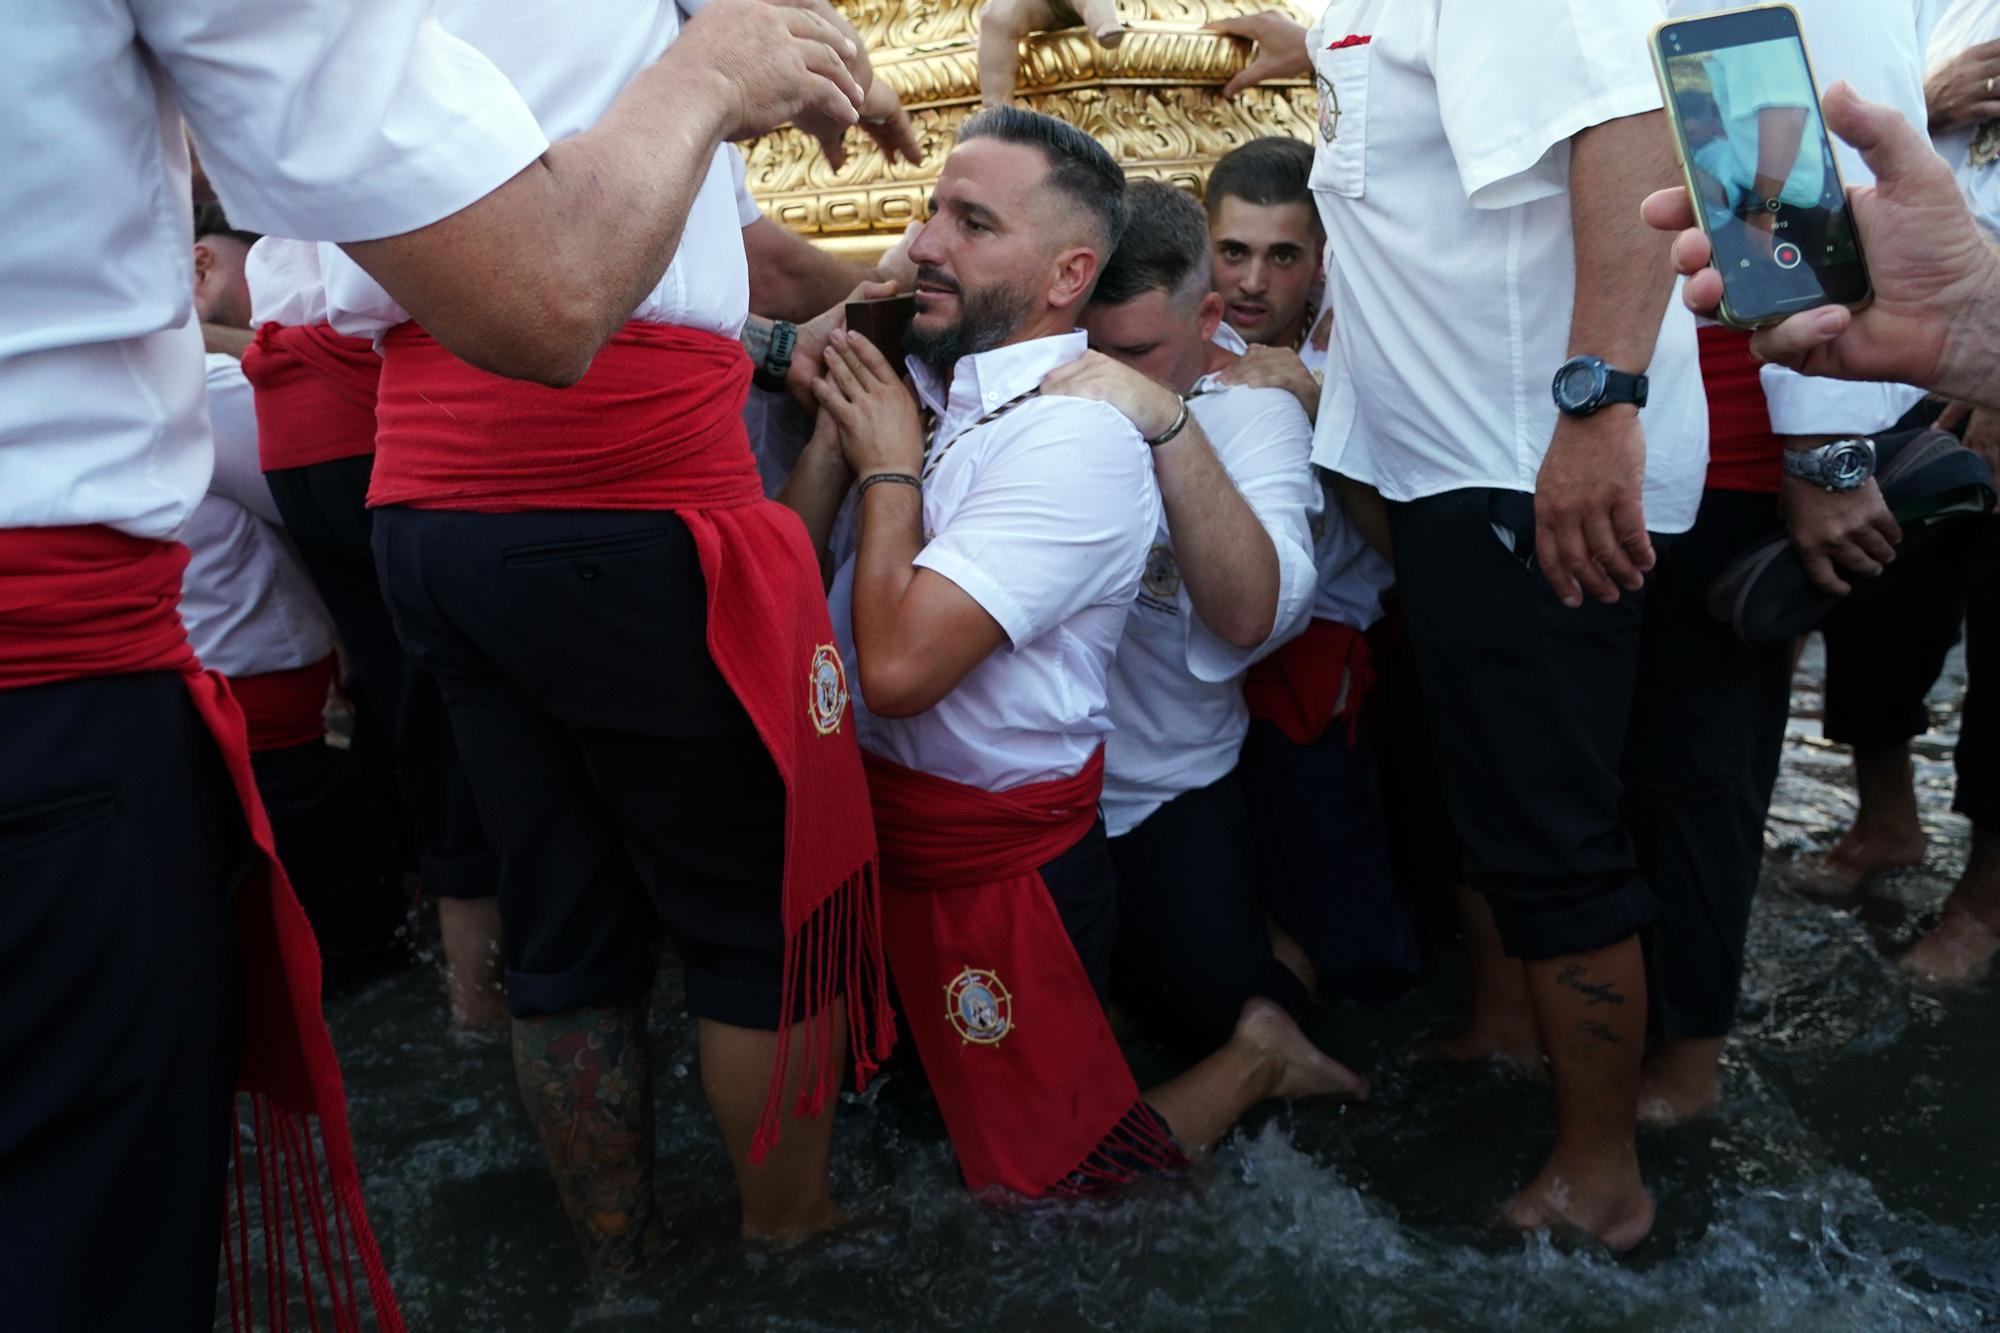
(777, 357)
(1623, 387)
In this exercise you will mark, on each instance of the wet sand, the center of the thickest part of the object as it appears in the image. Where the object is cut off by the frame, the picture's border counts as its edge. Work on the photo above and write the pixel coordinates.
(1851, 1181)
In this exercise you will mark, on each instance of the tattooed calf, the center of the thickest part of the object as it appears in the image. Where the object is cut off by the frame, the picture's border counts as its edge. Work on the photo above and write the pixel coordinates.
(1595, 994)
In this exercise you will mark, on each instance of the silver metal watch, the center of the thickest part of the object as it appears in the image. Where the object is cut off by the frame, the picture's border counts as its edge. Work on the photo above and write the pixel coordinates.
(1840, 466)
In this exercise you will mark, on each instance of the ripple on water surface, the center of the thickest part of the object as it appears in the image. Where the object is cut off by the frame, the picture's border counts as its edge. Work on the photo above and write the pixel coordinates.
(1852, 1183)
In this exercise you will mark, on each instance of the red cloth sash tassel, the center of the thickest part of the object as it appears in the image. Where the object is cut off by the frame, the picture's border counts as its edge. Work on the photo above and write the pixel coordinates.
(1035, 1092)
(1743, 452)
(656, 424)
(83, 602)
(282, 709)
(314, 391)
(1310, 683)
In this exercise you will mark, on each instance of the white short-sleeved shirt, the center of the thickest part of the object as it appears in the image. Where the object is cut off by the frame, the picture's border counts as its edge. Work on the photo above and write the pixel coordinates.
(1972, 150)
(1878, 46)
(1044, 517)
(1176, 689)
(570, 62)
(1441, 173)
(246, 600)
(287, 283)
(318, 118)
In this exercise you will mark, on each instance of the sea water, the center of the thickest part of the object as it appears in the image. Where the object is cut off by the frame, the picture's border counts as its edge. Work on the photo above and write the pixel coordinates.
(1851, 1181)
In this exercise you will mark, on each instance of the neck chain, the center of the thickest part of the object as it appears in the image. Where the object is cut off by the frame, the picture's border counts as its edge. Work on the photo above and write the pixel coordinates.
(1305, 327)
(934, 454)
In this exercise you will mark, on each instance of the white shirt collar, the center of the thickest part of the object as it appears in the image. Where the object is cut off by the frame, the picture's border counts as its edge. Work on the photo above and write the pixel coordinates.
(985, 380)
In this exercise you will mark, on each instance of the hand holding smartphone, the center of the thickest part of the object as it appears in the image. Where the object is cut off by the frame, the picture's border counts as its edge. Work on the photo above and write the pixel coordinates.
(1759, 168)
(883, 321)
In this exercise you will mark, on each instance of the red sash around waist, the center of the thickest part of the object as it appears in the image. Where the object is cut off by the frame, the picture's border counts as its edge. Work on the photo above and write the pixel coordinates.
(657, 424)
(1317, 678)
(1035, 1092)
(83, 602)
(1743, 453)
(282, 709)
(315, 394)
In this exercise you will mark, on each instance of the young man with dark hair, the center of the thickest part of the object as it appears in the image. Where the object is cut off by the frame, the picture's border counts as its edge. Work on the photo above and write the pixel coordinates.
(985, 569)
(1314, 790)
(1230, 577)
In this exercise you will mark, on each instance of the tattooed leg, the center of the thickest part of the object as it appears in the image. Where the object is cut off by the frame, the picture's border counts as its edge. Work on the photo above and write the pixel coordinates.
(586, 1079)
(1591, 1009)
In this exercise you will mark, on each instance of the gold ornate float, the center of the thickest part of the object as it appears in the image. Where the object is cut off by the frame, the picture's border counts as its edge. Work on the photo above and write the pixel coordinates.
(1154, 101)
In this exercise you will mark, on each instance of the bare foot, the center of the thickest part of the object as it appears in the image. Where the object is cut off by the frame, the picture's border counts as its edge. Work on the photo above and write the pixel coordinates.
(1957, 951)
(823, 1217)
(1681, 1081)
(1842, 869)
(1481, 1042)
(1304, 1070)
(1611, 1205)
(470, 930)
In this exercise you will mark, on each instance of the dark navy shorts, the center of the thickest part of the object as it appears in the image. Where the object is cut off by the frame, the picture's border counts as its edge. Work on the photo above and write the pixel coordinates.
(625, 788)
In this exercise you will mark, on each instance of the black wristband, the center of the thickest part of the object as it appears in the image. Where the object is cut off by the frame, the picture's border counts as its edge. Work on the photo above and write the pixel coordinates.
(899, 478)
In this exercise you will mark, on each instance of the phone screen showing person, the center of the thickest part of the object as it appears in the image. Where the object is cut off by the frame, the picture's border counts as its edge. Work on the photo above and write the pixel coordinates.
(1745, 112)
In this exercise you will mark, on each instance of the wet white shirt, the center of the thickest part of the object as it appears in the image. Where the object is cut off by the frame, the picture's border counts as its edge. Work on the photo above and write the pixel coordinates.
(570, 62)
(1044, 517)
(1441, 173)
(1176, 689)
(1878, 46)
(1972, 150)
(247, 602)
(319, 118)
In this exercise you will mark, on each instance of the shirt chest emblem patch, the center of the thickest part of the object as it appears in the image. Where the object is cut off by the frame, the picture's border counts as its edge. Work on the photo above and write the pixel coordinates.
(979, 1007)
(1329, 110)
(826, 690)
(1162, 578)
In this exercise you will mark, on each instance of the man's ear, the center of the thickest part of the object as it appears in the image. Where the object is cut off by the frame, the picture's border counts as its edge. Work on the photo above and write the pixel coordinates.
(1208, 315)
(1073, 275)
(204, 263)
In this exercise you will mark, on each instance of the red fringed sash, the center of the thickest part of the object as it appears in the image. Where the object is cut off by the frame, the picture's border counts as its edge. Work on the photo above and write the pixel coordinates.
(89, 601)
(1035, 1092)
(282, 709)
(657, 424)
(314, 392)
(1315, 680)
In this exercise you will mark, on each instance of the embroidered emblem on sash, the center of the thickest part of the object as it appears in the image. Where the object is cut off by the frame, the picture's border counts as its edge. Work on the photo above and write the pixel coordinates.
(979, 1007)
(826, 690)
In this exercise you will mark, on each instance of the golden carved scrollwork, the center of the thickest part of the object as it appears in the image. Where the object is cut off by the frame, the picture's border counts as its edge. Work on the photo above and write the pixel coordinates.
(1154, 102)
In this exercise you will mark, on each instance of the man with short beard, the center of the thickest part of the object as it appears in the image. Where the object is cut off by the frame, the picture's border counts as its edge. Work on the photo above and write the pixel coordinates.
(985, 570)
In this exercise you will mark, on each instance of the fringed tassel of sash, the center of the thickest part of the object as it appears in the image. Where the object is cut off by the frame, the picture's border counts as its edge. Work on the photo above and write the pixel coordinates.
(835, 954)
(1139, 1144)
(303, 1214)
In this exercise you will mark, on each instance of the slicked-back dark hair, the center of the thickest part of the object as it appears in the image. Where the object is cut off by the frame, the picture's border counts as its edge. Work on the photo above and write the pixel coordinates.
(1269, 171)
(1079, 168)
(1164, 248)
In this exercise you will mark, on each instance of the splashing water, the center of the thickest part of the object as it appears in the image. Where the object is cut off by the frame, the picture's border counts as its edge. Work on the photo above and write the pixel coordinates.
(1851, 1182)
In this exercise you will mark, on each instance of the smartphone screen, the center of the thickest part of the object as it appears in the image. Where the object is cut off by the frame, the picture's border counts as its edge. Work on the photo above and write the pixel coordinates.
(1743, 105)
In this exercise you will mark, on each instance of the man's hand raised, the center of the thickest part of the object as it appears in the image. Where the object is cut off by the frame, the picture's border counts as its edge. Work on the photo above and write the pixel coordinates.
(1279, 48)
(777, 61)
(1934, 321)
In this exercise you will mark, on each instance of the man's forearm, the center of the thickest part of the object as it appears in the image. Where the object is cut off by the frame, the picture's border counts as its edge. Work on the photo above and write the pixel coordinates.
(1623, 280)
(814, 491)
(558, 257)
(1227, 559)
(792, 279)
(891, 536)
